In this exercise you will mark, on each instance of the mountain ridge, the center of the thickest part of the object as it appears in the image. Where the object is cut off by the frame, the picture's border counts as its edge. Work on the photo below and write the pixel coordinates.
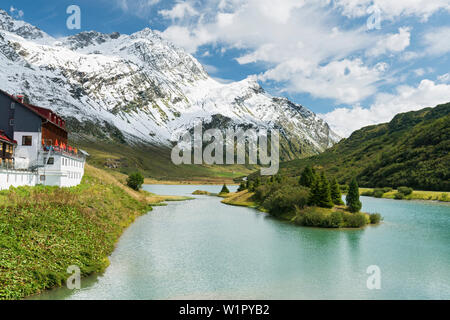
(142, 89)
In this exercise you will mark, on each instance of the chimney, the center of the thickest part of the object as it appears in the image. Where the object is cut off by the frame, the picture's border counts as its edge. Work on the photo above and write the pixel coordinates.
(20, 97)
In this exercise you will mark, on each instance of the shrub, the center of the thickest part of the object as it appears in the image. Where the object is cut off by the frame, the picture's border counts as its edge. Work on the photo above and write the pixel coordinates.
(317, 217)
(399, 196)
(242, 187)
(336, 219)
(387, 189)
(355, 220)
(135, 181)
(375, 218)
(378, 193)
(285, 199)
(405, 190)
(368, 193)
(224, 189)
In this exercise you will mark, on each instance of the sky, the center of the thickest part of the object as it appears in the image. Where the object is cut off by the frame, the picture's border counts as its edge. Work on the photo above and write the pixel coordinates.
(353, 62)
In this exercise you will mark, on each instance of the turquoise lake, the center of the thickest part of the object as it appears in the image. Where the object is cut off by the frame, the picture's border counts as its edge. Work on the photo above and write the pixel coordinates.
(202, 249)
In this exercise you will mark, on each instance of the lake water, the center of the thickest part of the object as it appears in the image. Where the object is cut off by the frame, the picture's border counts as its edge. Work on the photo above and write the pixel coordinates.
(202, 249)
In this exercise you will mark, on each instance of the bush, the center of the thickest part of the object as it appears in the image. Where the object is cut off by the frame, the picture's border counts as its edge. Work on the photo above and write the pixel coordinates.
(378, 193)
(405, 190)
(399, 196)
(242, 187)
(285, 199)
(135, 181)
(225, 189)
(336, 219)
(367, 193)
(375, 218)
(317, 217)
(387, 189)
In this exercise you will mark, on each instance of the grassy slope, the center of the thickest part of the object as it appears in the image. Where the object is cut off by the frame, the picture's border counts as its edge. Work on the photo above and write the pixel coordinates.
(43, 230)
(155, 163)
(412, 150)
(416, 195)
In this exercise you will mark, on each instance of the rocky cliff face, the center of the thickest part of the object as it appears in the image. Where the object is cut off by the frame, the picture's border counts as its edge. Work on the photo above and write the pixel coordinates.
(140, 88)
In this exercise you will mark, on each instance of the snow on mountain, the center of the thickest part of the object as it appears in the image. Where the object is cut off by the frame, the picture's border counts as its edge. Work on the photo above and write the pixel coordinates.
(142, 88)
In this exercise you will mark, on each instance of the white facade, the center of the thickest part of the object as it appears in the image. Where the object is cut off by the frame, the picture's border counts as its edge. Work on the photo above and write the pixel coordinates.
(17, 178)
(61, 170)
(27, 156)
(52, 168)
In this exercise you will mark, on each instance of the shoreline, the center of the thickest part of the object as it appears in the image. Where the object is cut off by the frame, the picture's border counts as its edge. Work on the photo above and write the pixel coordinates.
(80, 226)
(244, 199)
(440, 196)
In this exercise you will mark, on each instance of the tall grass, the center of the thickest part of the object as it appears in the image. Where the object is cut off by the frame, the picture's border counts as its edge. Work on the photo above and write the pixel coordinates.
(44, 230)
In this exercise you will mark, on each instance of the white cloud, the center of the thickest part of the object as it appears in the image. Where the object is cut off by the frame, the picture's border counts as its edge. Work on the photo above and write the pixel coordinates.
(299, 42)
(138, 7)
(395, 43)
(347, 81)
(437, 41)
(406, 98)
(179, 11)
(391, 9)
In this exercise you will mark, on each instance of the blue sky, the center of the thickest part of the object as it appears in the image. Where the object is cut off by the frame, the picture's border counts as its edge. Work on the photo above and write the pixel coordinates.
(323, 54)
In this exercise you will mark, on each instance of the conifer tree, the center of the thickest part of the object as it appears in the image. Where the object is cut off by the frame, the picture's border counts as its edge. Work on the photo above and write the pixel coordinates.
(307, 177)
(314, 192)
(336, 194)
(353, 202)
(325, 192)
(225, 189)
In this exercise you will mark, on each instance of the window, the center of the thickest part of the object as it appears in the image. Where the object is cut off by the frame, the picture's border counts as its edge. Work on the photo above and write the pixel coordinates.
(27, 140)
(51, 161)
(11, 122)
(13, 105)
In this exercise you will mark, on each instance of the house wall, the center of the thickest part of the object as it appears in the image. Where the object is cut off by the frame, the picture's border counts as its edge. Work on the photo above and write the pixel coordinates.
(64, 172)
(26, 156)
(16, 179)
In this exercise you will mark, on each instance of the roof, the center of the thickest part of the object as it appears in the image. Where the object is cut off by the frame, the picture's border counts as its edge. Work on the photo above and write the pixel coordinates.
(35, 109)
(4, 137)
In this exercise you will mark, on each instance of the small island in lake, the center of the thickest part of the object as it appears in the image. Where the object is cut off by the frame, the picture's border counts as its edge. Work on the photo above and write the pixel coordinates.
(311, 200)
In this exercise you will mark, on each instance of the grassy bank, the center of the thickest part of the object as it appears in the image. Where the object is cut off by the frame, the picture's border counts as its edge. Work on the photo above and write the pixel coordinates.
(44, 230)
(336, 217)
(415, 195)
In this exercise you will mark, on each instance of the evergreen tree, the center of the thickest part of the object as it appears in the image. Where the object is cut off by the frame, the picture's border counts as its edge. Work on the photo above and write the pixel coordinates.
(225, 189)
(314, 192)
(307, 177)
(353, 203)
(336, 195)
(325, 192)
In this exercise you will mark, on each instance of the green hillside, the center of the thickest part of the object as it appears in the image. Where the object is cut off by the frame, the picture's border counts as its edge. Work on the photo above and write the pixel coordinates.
(412, 150)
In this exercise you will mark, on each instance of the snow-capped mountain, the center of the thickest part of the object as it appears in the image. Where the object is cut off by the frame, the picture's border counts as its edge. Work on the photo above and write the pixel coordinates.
(142, 89)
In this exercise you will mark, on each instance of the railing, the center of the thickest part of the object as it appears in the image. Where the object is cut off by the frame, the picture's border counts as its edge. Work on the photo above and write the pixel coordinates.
(61, 151)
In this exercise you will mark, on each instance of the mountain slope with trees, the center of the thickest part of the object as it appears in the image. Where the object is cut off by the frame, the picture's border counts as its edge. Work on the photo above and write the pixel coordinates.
(412, 150)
